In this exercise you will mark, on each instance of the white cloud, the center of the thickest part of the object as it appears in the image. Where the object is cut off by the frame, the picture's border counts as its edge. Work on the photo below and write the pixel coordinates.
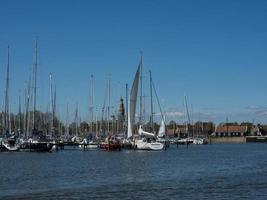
(172, 114)
(256, 108)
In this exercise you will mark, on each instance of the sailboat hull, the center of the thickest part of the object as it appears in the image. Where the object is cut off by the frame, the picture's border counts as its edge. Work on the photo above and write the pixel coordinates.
(151, 146)
(110, 146)
(8, 147)
(36, 146)
(9, 144)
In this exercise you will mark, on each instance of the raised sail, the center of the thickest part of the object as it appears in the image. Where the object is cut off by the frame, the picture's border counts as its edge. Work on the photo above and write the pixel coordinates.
(132, 103)
(162, 129)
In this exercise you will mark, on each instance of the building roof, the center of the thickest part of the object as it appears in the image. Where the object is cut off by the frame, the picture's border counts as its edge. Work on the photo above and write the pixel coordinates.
(231, 128)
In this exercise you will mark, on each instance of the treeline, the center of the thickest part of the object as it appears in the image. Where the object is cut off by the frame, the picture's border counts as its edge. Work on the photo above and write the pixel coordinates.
(45, 123)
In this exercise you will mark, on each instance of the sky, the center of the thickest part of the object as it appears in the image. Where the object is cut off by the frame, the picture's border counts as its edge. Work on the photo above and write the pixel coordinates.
(214, 52)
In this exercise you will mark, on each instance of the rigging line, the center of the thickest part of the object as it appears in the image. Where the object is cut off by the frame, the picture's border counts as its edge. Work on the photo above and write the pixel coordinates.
(161, 113)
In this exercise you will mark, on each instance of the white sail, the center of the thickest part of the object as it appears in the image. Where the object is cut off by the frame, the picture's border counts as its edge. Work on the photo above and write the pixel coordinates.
(162, 129)
(142, 132)
(132, 103)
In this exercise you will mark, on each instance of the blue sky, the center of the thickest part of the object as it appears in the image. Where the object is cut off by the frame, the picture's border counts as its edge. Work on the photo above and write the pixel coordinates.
(215, 52)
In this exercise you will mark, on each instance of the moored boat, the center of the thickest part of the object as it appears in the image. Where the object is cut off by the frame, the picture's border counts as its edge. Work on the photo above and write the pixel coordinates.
(110, 144)
(256, 139)
(87, 144)
(161, 137)
(10, 144)
(31, 145)
(148, 144)
(147, 141)
(200, 141)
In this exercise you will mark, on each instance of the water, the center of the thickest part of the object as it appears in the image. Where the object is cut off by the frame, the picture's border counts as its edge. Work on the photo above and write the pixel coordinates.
(237, 171)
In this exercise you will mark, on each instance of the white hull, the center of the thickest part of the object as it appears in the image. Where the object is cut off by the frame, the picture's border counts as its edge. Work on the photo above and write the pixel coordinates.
(199, 141)
(10, 148)
(91, 145)
(185, 141)
(144, 145)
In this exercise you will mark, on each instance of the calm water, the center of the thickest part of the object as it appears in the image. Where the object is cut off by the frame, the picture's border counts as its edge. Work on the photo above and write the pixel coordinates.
(200, 172)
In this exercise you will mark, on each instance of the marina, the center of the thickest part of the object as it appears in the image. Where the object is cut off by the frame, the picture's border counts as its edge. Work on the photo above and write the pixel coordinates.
(133, 100)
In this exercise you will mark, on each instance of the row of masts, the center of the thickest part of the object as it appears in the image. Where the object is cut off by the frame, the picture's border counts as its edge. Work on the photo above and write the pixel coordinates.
(28, 117)
(30, 128)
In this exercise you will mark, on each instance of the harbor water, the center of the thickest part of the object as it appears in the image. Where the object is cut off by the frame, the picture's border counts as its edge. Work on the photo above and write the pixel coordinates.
(217, 171)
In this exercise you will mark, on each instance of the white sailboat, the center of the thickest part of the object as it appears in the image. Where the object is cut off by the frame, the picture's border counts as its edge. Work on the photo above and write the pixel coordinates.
(162, 130)
(145, 140)
(162, 137)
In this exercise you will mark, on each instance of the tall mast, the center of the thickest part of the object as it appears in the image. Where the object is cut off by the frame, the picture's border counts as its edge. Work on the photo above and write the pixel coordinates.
(109, 96)
(67, 120)
(7, 114)
(34, 84)
(19, 128)
(91, 102)
(187, 113)
(96, 125)
(27, 107)
(126, 98)
(157, 98)
(51, 104)
(25, 113)
(76, 120)
(141, 89)
(54, 109)
(151, 102)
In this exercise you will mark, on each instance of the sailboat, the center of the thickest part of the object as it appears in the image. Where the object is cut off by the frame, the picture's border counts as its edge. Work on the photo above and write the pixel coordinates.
(9, 142)
(161, 137)
(200, 140)
(145, 140)
(111, 142)
(90, 141)
(35, 143)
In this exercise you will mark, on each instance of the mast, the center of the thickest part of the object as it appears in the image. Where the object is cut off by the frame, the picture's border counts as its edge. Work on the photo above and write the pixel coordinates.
(27, 107)
(141, 89)
(7, 122)
(19, 128)
(67, 120)
(54, 110)
(34, 85)
(193, 125)
(76, 120)
(96, 125)
(126, 98)
(157, 98)
(109, 95)
(151, 102)
(25, 114)
(51, 104)
(7, 114)
(187, 113)
(91, 102)
(103, 114)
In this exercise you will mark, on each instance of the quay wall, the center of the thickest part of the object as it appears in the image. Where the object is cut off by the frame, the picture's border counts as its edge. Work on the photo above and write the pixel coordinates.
(227, 140)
